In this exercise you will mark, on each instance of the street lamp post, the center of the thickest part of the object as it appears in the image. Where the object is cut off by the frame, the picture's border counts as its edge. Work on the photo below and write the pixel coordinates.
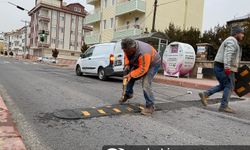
(23, 9)
(18, 7)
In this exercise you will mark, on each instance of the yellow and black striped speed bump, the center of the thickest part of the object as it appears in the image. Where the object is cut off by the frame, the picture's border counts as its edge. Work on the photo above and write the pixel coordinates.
(242, 83)
(85, 113)
(132, 108)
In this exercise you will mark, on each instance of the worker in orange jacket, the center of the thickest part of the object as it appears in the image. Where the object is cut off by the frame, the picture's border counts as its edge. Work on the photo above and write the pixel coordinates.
(143, 61)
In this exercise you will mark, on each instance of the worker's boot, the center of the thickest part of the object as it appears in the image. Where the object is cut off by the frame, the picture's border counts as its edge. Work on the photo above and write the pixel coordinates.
(227, 110)
(125, 98)
(148, 110)
(204, 98)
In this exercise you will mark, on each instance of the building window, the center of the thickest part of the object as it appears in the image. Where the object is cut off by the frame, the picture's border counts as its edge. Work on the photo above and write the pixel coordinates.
(62, 18)
(72, 32)
(104, 24)
(72, 43)
(53, 29)
(77, 9)
(61, 42)
(111, 22)
(72, 20)
(54, 15)
(136, 20)
(62, 30)
(127, 24)
(53, 41)
(113, 2)
(105, 3)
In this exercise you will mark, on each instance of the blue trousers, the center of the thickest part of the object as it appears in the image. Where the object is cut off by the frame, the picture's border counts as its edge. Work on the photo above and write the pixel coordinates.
(226, 84)
(146, 85)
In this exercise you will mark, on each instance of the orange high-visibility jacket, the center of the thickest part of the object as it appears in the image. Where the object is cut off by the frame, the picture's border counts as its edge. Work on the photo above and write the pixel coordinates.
(144, 58)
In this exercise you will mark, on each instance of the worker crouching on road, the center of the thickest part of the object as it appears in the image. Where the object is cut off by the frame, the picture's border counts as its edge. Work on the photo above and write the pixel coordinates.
(226, 63)
(143, 61)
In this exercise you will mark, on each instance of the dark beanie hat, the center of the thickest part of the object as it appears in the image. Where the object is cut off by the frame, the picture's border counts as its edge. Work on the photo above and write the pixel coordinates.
(235, 30)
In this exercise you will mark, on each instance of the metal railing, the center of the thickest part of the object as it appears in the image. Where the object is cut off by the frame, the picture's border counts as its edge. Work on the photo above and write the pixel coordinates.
(92, 37)
(93, 16)
(126, 7)
(127, 31)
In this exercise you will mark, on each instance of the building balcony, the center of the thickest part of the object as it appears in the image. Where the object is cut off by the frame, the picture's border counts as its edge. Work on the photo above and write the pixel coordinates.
(93, 17)
(44, 18)
(92, 38)
(92, 2)
(46, 31)
(127, 31)
(131, 6)
(43, 45)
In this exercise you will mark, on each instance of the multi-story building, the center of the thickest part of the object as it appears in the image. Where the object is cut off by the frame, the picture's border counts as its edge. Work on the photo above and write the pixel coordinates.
(2, 42)
(16, 41)
(241, 21)
(114, 19)
(63, 25)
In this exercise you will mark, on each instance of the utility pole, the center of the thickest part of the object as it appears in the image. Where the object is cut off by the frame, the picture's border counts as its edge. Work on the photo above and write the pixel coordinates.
(25, 26)
(185, 15)
(155, 9)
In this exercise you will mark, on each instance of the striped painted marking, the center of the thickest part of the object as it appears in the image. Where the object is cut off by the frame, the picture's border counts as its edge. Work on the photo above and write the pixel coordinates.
(101, 111)
(85, 113)
(129, 109)
(116, 110)
(142, 108)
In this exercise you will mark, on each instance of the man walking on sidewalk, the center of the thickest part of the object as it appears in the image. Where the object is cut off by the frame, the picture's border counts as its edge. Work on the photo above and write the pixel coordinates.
(143, 61)
(226, 63)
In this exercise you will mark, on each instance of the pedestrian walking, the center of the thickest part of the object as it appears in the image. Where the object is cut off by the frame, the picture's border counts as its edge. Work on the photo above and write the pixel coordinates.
(226, 64)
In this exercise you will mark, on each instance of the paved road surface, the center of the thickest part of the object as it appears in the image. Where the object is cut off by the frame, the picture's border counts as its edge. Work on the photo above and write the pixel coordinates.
(34, 91)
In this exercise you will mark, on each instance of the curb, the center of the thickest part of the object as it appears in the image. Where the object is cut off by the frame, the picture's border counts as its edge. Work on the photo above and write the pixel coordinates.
(10, 139)
(182, 83)
(188, 84)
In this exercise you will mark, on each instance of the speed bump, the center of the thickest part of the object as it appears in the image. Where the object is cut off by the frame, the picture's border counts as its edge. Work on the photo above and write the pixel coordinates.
(85, 113)
(242, 78)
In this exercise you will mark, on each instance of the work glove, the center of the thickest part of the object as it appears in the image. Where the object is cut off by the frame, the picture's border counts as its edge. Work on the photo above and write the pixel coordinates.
(227, 71)
(126, 70)
(128, 77)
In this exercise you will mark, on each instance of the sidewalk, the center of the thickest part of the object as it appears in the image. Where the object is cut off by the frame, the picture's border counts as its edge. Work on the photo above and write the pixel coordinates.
(201, 84)
(10, 139)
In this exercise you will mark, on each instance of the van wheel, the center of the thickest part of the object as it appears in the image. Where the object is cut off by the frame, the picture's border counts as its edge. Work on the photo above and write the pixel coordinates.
(78, 71)
(101, 74)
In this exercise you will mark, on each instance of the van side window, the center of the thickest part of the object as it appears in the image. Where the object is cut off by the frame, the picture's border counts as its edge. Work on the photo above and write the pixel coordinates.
(89, 52)
(103, 50)
(118, 48)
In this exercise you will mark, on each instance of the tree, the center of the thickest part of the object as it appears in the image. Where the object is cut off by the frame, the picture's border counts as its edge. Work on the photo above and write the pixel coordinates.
(55, 53)
(190, 36)
(245, 44)
(11, 53)
(84, 47)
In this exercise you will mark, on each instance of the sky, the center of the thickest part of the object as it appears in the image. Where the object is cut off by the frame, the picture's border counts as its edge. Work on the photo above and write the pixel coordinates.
(215, 12)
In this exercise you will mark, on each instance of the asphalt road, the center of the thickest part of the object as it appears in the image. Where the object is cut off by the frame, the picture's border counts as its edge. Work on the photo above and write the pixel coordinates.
(33, 91)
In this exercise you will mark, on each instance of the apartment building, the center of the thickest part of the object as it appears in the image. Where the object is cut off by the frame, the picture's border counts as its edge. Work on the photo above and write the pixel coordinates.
(63, 25)
(17, 41)
(240, 21)
(2, 42)
(116, 19)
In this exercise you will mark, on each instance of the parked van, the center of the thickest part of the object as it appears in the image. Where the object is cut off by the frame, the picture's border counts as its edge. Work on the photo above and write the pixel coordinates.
(102, 60)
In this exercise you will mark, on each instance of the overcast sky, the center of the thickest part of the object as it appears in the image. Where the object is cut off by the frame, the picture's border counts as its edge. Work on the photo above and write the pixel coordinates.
(215, 12)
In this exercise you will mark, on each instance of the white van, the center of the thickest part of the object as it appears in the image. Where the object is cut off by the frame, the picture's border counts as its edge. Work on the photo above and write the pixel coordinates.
(103, 60)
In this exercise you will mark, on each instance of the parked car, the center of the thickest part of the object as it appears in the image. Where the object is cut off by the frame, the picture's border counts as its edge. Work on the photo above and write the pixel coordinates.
(46, 59)
(102, 60)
